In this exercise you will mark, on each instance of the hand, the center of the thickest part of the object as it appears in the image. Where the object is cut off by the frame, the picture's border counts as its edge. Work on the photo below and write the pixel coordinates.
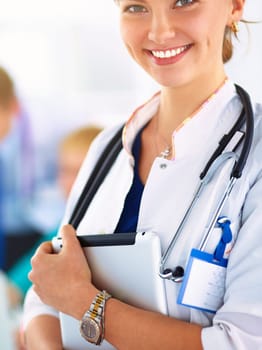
(63, 280)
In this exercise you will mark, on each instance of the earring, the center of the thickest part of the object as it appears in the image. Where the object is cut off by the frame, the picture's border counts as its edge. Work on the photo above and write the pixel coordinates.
(234, 27)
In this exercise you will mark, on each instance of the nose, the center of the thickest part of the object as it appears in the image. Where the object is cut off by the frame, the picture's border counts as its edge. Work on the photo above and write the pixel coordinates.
(161, 29)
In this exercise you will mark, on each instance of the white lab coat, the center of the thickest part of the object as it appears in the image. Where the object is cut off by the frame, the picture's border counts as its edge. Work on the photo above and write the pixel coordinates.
(169, 189)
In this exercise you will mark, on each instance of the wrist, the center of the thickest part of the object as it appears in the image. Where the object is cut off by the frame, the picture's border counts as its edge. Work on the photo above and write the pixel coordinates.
(92, 325)
(85, 299)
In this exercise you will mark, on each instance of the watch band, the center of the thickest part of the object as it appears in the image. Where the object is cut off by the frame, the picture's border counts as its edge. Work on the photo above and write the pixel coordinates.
(106, 297)
(96, 309)
(95, 316)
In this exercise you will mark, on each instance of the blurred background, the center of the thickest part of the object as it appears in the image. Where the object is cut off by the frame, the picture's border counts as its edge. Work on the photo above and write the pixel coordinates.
(71, 70)
(70, 67)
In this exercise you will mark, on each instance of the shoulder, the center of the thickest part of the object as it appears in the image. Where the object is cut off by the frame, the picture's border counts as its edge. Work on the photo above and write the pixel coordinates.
(99, 145)
(94, 152)
(105, 136)
(257, 108)
(105, 140)
(254, 163)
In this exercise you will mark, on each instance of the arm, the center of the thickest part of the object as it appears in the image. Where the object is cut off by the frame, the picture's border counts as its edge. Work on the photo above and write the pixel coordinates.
(130, 328)
(37, 319)
(67, 287)
(238, 324)
(43, 332)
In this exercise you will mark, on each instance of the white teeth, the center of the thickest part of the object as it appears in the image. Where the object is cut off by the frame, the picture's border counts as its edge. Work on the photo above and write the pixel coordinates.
(169, 53)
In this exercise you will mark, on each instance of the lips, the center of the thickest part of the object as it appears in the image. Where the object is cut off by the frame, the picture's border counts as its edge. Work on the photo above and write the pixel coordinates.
(170, 53)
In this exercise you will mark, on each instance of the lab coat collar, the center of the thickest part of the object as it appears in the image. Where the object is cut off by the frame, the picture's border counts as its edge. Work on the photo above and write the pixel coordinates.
(192, 134)
(215, 117)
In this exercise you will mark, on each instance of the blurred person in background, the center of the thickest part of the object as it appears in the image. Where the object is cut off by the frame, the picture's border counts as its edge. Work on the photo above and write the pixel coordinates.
(10, 297)
(72, 150)
(26, 204)
(71, 153)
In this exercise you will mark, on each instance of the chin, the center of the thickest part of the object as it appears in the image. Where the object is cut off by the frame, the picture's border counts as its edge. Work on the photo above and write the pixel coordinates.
(171, 78)
(170, 82)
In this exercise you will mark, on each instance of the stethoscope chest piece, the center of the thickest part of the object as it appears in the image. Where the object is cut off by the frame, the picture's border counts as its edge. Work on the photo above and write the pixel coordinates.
(175, 275)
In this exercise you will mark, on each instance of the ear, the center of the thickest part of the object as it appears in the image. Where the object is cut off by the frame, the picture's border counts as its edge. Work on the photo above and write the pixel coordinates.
(237, 9)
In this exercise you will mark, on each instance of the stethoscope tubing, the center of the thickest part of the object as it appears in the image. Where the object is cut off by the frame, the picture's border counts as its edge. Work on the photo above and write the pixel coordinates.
(218, 162)
(217, 212)
(212, 165)
(245, 100)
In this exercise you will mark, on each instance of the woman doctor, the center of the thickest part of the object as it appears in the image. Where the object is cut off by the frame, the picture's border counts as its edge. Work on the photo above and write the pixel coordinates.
(183, 45)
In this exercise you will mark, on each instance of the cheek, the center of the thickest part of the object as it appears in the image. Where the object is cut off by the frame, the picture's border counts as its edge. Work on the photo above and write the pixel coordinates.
(208, 38)
(127, 38)
(124, 31)
(132, 37)
(208, 26)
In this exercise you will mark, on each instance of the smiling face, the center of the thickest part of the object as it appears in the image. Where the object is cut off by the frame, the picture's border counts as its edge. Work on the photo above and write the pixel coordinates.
(178, 42)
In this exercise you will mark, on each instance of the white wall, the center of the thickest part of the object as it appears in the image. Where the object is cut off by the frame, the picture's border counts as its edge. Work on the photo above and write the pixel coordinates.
(71, 68)
(245, 67)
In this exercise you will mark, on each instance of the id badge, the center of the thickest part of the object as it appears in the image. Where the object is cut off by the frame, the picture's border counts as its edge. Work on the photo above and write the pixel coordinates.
(203, 286)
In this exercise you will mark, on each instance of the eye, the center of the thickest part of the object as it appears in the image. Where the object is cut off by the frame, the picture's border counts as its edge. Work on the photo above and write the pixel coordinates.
(135, 9)
(181, 3)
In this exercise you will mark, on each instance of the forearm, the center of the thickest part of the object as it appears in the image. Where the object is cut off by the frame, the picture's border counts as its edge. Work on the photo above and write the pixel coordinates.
(126, 327)
(130, 328)
(43, 333)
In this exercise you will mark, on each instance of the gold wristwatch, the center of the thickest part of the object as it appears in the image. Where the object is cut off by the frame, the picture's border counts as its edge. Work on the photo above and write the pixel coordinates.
(92, 323)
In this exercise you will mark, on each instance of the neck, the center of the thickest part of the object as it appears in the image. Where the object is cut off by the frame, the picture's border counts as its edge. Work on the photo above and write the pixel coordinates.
(177, 104)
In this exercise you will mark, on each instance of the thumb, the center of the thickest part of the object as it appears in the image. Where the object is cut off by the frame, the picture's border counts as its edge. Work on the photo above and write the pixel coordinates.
(70, 241)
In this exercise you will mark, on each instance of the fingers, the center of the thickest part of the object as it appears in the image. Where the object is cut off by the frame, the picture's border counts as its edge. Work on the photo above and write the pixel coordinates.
(69, 238)
(44, 248)
(70, 242)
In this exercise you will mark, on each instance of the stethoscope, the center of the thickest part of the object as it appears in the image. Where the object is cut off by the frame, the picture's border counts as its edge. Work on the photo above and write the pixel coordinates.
(217, 159)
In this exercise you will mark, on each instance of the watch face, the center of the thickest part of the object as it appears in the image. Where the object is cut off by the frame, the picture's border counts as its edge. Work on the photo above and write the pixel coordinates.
(90, 330)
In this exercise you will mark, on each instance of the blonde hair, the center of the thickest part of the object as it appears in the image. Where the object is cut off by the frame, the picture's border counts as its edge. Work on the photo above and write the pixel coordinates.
(80, 139)
(228, 48)
(7, 89)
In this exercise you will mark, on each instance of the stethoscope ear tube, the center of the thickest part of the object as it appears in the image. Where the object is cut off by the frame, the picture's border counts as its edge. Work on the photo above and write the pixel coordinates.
(245, 100)
(224, 142)
(246, 116)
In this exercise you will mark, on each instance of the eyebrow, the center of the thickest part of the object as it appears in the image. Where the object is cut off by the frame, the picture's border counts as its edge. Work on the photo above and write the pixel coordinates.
(131, 1)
